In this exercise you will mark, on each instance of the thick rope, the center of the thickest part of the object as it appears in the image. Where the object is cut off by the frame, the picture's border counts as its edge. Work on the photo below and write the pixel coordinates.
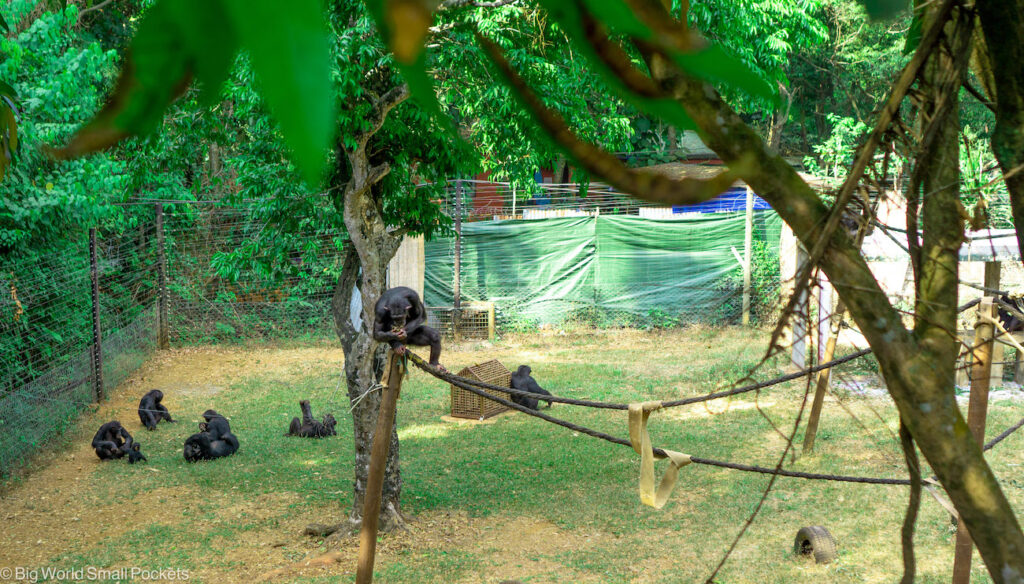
(419, 362)
(455, 380)
(1003, 436)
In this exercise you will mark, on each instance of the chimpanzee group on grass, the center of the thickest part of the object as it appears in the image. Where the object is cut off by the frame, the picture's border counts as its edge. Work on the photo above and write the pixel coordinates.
(213, 440)
(400, 317)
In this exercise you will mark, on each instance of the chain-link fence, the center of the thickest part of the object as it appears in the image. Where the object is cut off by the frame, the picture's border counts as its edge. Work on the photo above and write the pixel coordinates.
(75, 319)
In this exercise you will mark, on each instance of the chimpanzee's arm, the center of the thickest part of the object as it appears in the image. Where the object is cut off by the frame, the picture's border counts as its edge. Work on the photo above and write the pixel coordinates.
(418, 312)
(380, 319)
(127, 439)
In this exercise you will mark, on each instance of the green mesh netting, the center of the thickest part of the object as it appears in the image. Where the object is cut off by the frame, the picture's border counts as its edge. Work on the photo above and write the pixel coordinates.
(607, 270)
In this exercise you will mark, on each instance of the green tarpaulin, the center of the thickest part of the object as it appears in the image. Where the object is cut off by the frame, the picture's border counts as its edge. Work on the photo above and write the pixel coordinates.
(606, 270)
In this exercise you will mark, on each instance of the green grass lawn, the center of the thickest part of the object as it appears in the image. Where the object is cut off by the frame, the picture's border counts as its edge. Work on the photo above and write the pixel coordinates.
(511, 498)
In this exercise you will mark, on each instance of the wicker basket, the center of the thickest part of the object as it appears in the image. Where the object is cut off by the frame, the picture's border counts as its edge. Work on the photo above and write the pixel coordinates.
(466, 404)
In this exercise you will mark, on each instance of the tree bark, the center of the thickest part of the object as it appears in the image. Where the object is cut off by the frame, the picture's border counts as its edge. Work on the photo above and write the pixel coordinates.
(1002, 27)
(366, 258)
(915, 371)
(371, 246)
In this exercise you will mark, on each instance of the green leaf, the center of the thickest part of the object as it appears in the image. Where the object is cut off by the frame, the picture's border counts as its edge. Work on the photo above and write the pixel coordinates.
(884, 9)
(7, 91)
(8, 126)
(914, 33)
(568, 15)
(212, 53)
(714, 64)
(619, 15)
(291, 55)
(3, 25)
(178, 40)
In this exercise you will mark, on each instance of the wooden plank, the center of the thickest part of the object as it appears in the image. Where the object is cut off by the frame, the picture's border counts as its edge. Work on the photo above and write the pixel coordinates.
(407, 267)
(799, 358)
(991, 281)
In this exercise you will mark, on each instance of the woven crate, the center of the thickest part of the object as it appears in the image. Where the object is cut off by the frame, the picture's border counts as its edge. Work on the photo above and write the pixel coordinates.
(466, 404)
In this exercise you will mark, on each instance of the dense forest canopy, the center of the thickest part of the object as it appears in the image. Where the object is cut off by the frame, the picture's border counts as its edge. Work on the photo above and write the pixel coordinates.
(833, 63)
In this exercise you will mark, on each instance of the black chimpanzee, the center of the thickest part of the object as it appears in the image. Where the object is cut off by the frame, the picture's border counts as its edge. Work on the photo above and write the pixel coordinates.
(214, 439)
(310, 428)
(151, 411)
(399, 318)
(1010, 321)
(521, 380)
(113, 441)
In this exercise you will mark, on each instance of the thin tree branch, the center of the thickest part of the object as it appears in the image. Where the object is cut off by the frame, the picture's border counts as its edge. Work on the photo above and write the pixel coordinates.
(977, 94)
(90, 9)
(382, 106)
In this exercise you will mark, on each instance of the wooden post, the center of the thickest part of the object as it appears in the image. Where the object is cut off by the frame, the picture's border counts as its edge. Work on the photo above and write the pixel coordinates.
(823, 378)
(378, 462)
(513, 201)
(457, 270)
(991, 282)
(97, 336)
(977, 409)
(799, 359)
(823, 326)
(490, 321)
(748, 242)
(163, 336)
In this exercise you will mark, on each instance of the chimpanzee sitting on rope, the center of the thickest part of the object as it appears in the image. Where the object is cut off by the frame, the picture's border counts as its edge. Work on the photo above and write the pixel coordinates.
(522, 380)
(399, 317)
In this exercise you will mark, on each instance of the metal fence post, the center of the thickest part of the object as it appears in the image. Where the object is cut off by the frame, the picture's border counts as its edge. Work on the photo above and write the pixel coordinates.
(163, 338)
(97, 337)
(748, 250)
(457, 269)
(800, 317)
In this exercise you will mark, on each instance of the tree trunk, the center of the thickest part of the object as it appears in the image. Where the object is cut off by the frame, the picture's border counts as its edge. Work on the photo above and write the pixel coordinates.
(915, 370)
(366, 258)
